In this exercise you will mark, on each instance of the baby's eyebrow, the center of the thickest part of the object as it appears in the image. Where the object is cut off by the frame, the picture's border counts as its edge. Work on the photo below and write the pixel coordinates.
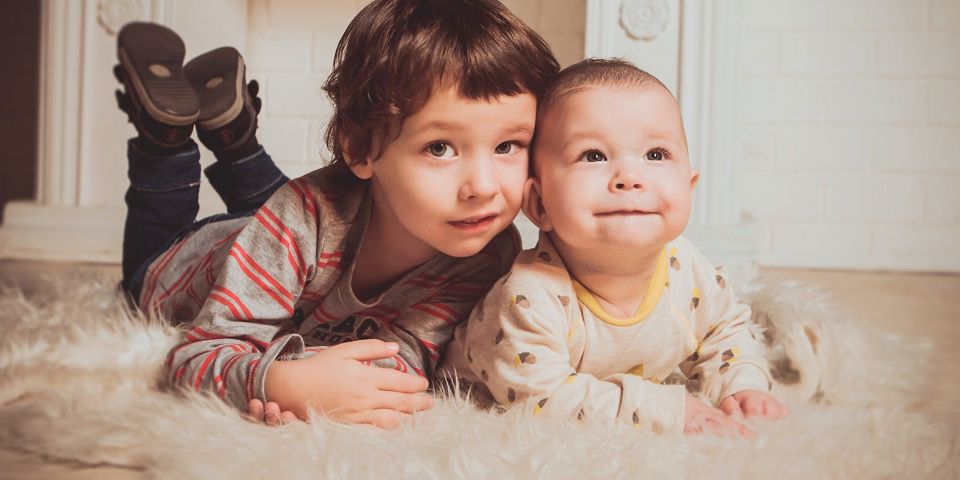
(576, 137)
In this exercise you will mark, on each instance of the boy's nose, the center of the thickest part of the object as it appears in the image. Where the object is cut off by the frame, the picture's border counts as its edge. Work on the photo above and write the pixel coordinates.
(480, 182)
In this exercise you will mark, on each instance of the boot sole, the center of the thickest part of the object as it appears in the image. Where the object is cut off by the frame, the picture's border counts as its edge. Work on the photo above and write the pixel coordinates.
(218, 78)
(152, 58)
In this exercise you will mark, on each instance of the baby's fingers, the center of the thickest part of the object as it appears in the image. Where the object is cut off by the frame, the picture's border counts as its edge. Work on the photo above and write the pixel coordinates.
(753, 406)
(730, 406)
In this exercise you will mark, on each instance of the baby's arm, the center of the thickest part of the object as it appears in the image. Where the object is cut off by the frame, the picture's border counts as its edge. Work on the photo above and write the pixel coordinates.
(729, 363)
(516, 341)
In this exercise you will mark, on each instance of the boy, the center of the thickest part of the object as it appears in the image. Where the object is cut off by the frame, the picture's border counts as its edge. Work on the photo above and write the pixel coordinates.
(372, 260)
(591, 321)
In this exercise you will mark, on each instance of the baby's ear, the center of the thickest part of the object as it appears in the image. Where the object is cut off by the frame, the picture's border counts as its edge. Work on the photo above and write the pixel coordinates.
(533, 205)
(694, 178)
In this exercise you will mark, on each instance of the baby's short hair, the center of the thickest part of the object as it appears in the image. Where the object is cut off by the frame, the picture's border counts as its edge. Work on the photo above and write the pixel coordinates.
(592, 72)
(395, 53)
(595, 72)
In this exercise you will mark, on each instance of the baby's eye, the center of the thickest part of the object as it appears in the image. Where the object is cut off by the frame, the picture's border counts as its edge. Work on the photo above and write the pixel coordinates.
(440, 150)
(657, 155)
(506, 148)
(594, 156)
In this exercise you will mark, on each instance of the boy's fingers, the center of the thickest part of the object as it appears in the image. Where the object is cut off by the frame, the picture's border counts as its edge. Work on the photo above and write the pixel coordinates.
(288, 417)
(404, 402)
(382, 418)
(255, 410)
(394, 381)
(369, 349)
(272, 414)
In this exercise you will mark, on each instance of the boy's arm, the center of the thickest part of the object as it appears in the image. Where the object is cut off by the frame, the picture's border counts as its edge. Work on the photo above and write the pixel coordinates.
(730, 356)
(231, 345)
(425, 329)
(517, 342)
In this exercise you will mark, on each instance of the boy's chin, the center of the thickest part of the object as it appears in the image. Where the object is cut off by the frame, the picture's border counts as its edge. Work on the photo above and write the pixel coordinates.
(463, 249)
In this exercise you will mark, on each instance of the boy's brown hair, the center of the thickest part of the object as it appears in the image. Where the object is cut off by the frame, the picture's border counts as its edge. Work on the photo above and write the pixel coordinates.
(396, 52)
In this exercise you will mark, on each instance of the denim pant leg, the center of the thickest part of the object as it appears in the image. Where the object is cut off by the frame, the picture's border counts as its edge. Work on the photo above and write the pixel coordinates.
(245, 184)
(161, 201)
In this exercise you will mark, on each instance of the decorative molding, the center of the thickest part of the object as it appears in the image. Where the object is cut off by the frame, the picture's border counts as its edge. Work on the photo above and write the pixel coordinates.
(114, 14)
(644, 20)
(706, 88)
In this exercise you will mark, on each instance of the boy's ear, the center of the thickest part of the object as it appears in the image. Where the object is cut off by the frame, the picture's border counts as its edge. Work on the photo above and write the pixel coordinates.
(533, 205)
(694, 178)
(362, 169)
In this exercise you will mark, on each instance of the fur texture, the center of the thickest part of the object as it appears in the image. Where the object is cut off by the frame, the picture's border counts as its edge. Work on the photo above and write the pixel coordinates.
(81, 379)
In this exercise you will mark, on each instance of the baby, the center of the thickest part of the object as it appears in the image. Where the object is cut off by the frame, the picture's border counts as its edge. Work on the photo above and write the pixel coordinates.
(612, 300)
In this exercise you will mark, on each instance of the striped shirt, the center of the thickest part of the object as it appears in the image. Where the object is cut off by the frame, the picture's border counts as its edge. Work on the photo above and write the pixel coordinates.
(277, 285)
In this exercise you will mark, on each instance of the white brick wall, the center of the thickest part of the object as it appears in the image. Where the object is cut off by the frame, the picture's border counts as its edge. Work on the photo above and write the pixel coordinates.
(290, 50)
(850, 132)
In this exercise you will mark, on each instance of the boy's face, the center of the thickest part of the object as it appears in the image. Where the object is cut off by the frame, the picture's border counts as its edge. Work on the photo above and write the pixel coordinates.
(613, 169)
(454, 176)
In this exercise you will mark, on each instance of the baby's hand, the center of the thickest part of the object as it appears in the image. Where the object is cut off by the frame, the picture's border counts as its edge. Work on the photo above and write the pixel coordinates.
(269, 414)
(750, 403)
(699, 417)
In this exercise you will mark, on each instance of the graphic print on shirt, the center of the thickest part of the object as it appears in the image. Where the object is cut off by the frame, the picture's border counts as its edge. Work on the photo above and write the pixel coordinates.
(349, 329)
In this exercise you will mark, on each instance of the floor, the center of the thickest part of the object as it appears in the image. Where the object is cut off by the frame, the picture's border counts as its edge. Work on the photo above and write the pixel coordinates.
(911, 304)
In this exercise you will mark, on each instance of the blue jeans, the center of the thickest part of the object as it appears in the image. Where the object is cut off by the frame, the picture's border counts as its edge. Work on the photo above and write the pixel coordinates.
(162, 201)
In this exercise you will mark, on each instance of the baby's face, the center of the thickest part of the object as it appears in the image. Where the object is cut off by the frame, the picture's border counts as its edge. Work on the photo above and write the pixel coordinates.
(613, 168)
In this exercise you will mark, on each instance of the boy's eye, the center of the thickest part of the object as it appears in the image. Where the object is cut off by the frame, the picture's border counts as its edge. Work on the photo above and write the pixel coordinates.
(505, 148)
(594, 156)
(440, 150)
(657, 155)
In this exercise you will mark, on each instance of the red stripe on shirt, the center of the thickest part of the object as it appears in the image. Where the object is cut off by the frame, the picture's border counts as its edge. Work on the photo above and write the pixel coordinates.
(425, 308)
(283, 234)
(266, 275)
(306, 197)
(226, 291)
(263, 287)
(224, 301)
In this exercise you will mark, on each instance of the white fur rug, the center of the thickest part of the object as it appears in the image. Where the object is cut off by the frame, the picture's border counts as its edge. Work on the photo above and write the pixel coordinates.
(81, 380)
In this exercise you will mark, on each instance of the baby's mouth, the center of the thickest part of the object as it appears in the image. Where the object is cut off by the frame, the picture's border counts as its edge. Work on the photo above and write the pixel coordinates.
(623, 213)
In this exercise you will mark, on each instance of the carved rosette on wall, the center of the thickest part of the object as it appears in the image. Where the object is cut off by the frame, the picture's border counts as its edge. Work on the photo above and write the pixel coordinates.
(644, 20)
(114, 14)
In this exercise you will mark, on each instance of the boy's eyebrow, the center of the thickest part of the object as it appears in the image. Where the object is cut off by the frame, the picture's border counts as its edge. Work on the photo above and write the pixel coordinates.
(524, 128)
(438, 125)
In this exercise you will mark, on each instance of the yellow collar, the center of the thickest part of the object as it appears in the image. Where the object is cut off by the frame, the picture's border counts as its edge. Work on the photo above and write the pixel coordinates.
(650, 299)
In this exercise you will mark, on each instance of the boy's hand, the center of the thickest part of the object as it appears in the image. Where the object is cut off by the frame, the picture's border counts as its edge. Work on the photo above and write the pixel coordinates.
(269, 414)
(335, 382)
(700, 417)
(751, 403)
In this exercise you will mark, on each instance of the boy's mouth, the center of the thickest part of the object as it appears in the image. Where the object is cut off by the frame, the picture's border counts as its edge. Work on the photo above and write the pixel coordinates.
(478, 222)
